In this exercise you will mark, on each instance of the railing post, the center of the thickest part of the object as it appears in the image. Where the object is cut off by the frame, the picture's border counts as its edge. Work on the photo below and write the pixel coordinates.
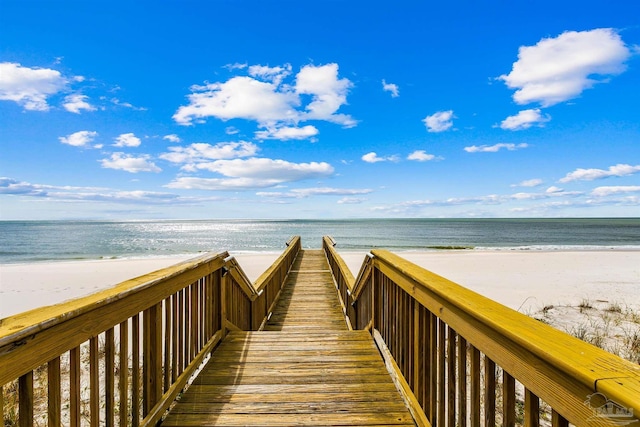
(152, 353)
(224, 281)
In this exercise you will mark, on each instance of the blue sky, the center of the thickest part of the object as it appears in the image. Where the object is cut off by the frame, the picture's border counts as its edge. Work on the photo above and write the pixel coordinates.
(328, 109)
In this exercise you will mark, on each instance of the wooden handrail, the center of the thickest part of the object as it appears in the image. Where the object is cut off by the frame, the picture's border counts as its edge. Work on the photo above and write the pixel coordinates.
(428, 322)
(163, 324)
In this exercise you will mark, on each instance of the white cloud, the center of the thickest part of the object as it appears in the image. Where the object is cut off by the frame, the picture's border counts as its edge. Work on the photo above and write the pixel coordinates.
(230, 130)
(285, 133)
(119, 103)
(440, 121)
(172, 138)
(239, 98)
(392, 88)
(89, 194)
(558, 69)
(494, 148)
(269, 102)
(125, 162)
(79, 139)
(273, 74)
(235, 66)
(268, 169)
(591, 174)
(524, 120)
(421, 156)
(29, 87)
(202, 152)
(609, 190)
(372, 157)
(76, 102)
(553, 189)
(351, 200)
(319, 191)
(529, 183)
(252, 174)
(127, 140)
(329, 93)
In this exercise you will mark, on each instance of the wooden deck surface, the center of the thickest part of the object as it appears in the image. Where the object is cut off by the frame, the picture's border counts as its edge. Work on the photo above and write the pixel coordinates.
(306, 368)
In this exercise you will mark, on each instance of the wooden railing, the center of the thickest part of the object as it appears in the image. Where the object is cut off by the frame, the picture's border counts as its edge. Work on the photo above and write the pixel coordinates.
(121, 356)
(471, 361)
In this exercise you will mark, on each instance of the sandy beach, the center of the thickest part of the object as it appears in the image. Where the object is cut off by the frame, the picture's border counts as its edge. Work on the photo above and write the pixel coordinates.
(524, 281)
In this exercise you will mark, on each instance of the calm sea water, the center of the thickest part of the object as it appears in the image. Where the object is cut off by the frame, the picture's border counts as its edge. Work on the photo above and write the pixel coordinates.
(27, 241)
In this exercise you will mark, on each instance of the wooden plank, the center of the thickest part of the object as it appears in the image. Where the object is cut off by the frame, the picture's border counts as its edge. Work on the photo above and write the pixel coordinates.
(508, 400)
(223, 419)
(25, 400)
(123, 382)
(94, 383)
(109, 377)
(560, 369)
(531, 409)
(54, 389)
(306, 368)
(74, 387)
(474, 389)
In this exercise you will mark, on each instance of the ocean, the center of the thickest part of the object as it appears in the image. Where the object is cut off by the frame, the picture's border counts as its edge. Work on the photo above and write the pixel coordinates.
(29, 241)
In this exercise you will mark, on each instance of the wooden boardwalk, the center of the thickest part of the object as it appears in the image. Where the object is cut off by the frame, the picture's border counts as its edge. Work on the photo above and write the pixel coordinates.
(305, 368)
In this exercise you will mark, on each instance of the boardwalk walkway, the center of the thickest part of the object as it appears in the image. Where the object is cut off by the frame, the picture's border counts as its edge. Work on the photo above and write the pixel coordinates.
(305, 368)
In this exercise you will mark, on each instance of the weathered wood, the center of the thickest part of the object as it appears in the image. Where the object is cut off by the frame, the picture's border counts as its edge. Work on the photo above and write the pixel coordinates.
(94, 383)
(562, 370)
(489, 392)
(401, 384)
(531, 409)
(474, 390)
(508, 400)
(109, 377)
(25, 400)
(47, 332)
(54, 389)
(305, 368)
(462, 381)
(302, 379)
(74, 387)
(123, 380)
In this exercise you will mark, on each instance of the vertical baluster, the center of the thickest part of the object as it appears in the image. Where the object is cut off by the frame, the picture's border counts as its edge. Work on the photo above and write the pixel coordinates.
(54, 389)
(94, 382)
(167, 344)
(25, 400)
(180, 331)
(441, 372)
(508, 400)
(123, 381)
(187, 326)
(531, 409)
(489, 392)
(451, 377)
(475, 387)
(433, 368)
(558, 420)
(194, 321)
(152, 357)
(462, 381)
(135, 377)
(416, 357)
(2, 404)
(74, 387)
(109, 378)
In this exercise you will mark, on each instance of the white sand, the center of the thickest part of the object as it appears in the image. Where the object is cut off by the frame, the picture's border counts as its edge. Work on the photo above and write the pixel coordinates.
(520, 280)
(27, 286)
(529, 280)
